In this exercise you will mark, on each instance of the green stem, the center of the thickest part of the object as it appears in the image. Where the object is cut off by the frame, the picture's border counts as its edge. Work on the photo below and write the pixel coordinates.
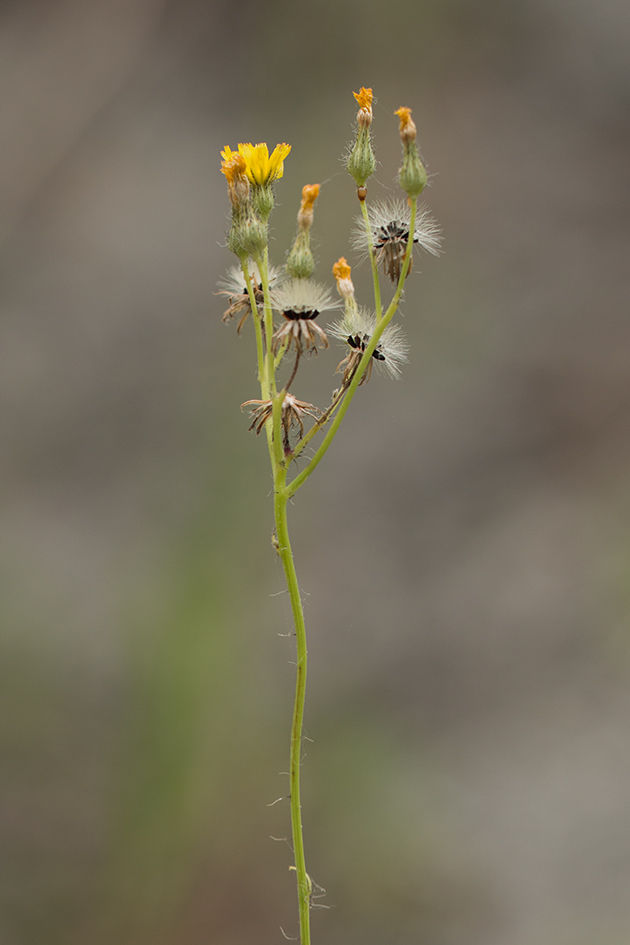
(363, 363)
(274, 429)
(263, 268)
(373, 262)
(258, 328)
(303, 880)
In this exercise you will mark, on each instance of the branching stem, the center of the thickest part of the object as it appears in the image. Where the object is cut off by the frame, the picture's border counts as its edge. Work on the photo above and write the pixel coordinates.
(267, 366)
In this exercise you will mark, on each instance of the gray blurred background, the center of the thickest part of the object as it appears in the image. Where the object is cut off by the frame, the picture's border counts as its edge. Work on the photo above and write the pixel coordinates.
(465, 548)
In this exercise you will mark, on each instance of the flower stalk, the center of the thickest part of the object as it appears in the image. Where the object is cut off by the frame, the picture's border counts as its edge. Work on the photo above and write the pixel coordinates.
(388, 235)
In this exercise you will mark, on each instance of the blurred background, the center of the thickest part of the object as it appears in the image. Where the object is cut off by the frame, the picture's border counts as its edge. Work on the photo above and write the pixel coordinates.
(464, 550)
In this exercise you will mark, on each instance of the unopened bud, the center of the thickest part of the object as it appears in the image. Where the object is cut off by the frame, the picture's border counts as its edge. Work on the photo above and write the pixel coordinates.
(361, 161)
(412, 176)
(300, 262)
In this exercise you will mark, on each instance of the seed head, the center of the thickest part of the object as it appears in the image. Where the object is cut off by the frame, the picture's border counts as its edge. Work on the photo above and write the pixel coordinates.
(293, 414)
(234, 288)
(300, 301)
(389, 223)
(355, 330)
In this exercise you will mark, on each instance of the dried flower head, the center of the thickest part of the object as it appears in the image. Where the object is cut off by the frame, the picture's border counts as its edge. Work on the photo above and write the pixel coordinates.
(341, 272)
(300, 301)
(233, 286)
(389, 222)
(234, 168)
(310, 193)
(355, 329)
(408, 128)
(364, 98)
(294, 412)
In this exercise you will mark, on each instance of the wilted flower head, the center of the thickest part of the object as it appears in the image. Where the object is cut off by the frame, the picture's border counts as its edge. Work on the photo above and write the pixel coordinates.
(294, 412)
(364, 98)
(300, 301)
(233, 286)
(234, 168)
(341, 272)
(389, 222)
(355, 329)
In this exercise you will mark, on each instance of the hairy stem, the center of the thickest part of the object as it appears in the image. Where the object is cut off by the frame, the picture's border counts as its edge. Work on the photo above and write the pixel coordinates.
(286, 555)
(260, 353)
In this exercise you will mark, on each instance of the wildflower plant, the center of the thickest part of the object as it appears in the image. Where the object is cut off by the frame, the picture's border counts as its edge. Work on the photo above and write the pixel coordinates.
(287, 308)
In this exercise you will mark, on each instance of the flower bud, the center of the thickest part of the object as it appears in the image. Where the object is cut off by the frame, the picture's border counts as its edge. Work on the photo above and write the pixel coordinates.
(300, 262)
(361, 161)
(412, 176)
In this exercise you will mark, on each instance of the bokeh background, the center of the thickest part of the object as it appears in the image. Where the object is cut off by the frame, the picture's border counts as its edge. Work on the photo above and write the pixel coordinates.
(464, 550)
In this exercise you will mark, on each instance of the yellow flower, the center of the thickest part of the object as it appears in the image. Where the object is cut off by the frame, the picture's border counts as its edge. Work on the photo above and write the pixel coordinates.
(260, 167)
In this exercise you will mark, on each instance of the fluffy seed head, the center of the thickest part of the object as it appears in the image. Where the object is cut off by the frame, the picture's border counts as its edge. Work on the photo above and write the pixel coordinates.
(389, 223)
(300, 301)
(234, 288)
(355, 330)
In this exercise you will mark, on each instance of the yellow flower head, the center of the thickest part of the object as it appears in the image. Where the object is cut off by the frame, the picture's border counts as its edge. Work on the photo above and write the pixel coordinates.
(260, 167)
(364, 98)
(407, 124)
